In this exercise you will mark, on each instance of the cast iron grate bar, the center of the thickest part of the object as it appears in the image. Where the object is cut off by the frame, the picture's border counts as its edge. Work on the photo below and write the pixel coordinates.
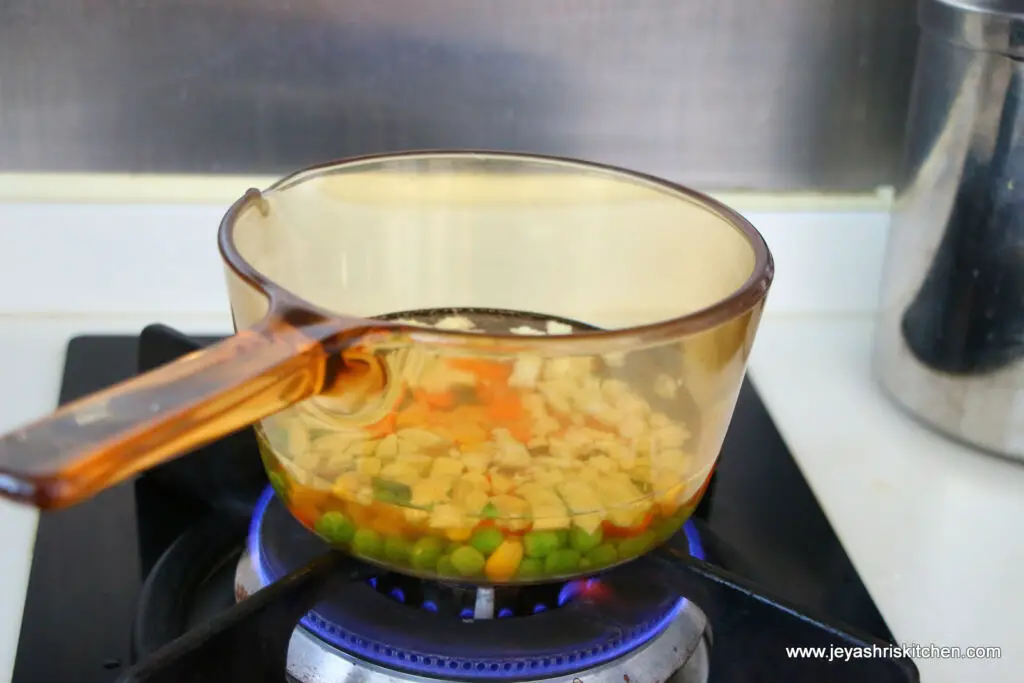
(249, 642)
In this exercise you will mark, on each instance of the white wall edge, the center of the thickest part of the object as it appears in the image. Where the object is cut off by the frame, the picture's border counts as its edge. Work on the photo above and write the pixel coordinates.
(90, 258)
(113, 188)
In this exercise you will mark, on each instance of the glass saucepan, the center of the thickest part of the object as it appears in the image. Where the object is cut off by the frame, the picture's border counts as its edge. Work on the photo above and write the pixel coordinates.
(480, 367)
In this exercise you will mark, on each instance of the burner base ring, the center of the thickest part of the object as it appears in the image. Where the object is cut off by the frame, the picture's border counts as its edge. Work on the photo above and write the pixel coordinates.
(679, 653)
(662, 659)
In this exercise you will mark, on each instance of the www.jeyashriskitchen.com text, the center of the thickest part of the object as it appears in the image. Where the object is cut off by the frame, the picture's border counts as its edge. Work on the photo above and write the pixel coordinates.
(836, 653)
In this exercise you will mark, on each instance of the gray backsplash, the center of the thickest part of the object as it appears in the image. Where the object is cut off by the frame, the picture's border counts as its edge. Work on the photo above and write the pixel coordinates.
(724, 94)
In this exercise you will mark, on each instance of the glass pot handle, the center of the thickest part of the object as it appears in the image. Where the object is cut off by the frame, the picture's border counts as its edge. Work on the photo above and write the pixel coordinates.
(98, 441)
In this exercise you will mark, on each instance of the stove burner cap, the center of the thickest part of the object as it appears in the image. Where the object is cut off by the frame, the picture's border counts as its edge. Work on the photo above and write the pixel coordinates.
(427, 628)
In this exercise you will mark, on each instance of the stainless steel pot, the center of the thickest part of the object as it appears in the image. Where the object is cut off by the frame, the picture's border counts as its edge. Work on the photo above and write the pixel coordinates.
(950, 337)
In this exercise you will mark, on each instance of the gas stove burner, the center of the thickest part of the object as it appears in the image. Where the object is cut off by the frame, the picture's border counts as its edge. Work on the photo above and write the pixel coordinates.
(449, 600)
(623, 623)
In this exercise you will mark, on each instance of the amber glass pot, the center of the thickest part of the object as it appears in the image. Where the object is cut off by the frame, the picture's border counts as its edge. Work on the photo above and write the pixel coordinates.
(479, 366)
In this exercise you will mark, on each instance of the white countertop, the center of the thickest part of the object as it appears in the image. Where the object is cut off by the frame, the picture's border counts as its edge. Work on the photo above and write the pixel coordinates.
(929, 525)
(932, 527)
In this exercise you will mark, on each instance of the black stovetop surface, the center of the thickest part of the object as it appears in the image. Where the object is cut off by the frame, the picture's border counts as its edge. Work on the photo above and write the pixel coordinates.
(91, 560)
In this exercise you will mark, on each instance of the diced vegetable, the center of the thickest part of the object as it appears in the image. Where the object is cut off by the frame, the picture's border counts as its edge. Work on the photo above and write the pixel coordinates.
(367, 542)
(504, 561)
(484, 370)
(335, 527)
(637, 545)
(514, 468)
(562, 561)
(436, 399)
(394, 492)
(426, 552)
(530, 569)
(445, 567)
(397, 549)
(603, 555)
(487, 540)
(468, 561)
(539, 544)
(583, 541)
(625, 532)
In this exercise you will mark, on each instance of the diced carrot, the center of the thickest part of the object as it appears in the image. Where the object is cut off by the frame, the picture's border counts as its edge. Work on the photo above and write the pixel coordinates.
(308, 498)
(623, 532)
(379, 509)
(383, 427)
(484, 370)
(360, 514)
(504, 561)
(416, 415)
(388, 520)
(521, 431)
(438, 400)
(467, 433)
(505, 407)
(515, 526)
(465, 425)
(306, 503)
(466, 413)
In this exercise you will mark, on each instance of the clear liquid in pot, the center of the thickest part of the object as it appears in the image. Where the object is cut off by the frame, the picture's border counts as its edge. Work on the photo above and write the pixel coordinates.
(497, 470)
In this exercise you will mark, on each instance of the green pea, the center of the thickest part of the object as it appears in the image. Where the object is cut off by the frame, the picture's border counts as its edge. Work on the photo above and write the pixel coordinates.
(445, 566)
(562, 561)
(583, 541)
(529, 569)
(335, 527)
(603, 555)
(489, 511)
(631, 547)
(397, 549)
(367, 542)
(426, 552)
(563, 537)
(540, 543)
(468, 561)
(487, 540)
